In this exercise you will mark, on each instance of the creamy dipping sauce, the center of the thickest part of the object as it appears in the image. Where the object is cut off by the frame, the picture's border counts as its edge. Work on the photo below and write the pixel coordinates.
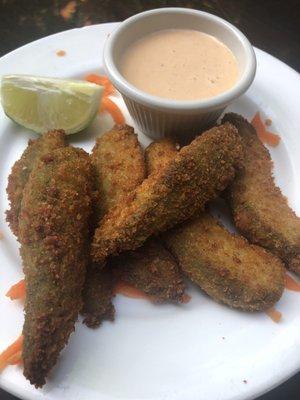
(180, 64)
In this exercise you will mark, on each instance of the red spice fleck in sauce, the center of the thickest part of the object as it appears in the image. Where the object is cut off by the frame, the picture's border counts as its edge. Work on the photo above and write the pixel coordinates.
(67, 12)
(291, 283)
(264, 135)
(274, 314)
(61, 53)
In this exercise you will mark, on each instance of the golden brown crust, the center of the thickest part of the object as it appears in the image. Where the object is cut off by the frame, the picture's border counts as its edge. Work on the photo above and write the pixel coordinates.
(153, 270)
(119, 166)
(260, 210)
(119, 163)
(158, 154)
(97, 296)
(54, 226)
(22, 168)
(226, 266)
(198, 174)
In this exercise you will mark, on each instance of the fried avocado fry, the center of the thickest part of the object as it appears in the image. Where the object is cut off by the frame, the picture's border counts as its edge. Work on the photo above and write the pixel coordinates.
(54, 229)
(22, 168)
(119, 166)
(226, 266)
(119, 163)
(153, 270)
(259, 209)
(158, 155)
(196, 175)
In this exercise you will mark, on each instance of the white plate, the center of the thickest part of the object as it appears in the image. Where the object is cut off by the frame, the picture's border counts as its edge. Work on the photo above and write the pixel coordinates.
(201, 350)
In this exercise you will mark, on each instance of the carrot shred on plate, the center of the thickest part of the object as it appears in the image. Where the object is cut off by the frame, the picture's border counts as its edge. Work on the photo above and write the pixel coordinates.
(264, 135)
(274, 314)
(16, 358)
(107, 105)
(103, 81)
(17, 291)
(13, 354)
(130, 291)
(291, 283)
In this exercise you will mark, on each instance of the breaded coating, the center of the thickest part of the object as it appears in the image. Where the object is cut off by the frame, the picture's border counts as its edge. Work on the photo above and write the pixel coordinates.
(119, 166)
(97, 296)
(22, 168)
(197, 174)
(54, 229)
(158, 154)
(226, 266)
(153, 270)
(259, 209)
(217, 251)
(119, 162)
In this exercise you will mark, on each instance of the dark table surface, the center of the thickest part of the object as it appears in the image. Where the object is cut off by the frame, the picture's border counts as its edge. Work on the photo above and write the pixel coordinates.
(271, 25)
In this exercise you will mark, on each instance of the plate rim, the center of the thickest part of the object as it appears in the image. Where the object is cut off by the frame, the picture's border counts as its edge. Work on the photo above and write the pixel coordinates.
(252, 394)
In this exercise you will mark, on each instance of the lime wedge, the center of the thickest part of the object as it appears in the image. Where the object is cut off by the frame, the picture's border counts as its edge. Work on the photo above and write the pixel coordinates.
(42, 104)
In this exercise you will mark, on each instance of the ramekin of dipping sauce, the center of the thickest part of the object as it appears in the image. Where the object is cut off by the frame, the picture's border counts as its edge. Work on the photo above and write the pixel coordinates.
(177, 69)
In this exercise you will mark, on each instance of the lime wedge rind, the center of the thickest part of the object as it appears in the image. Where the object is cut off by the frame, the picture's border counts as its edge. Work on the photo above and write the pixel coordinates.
(42, 104)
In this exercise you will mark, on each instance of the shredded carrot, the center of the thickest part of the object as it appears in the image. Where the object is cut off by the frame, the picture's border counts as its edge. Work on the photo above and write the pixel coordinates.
(111, 107)
(291, 283)
(17, 291)
(103, 81)
(61, 53)
(13, 354)
(107, 105)
(130, 291)
(16, 358)
(274, 314)
(264, 135)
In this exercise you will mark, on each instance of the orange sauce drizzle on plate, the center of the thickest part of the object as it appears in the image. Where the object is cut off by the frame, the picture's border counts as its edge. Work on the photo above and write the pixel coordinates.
(267, 137)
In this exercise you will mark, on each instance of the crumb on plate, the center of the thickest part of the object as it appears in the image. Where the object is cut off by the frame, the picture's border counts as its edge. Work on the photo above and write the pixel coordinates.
(268, 122)
(61, 53)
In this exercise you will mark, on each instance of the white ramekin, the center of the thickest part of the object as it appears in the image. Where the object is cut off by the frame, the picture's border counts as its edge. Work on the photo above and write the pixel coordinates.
(158, 117)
